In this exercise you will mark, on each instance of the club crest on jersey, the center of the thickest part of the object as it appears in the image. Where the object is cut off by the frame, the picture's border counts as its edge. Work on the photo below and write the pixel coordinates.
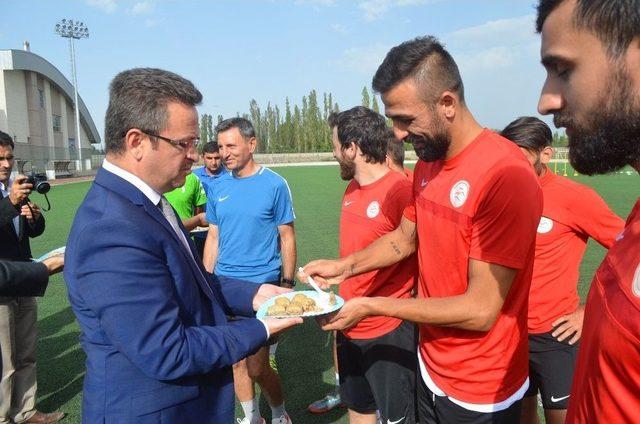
(635, 287)
(373, 209)
(545, 225)
(459, 193)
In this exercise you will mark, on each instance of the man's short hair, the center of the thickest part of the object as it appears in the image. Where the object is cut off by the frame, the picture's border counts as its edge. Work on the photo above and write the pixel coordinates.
(210, 147)
(395, 149)
(364, 127)
(426, 61)
(6, 140)
(138, 98)
(529, 133)
(243, 125)
(615, 22)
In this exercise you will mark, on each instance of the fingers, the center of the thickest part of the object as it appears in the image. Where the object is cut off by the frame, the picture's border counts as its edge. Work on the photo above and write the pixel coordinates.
(277, 325)
(575, 337)
(564, 331)
(559, 321)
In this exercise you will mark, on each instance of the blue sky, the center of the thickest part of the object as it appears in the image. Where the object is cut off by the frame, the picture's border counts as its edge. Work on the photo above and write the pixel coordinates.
(270, 49)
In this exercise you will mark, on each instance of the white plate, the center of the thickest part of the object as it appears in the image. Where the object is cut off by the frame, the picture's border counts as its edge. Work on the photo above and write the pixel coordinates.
(57, 251)
(262, 312)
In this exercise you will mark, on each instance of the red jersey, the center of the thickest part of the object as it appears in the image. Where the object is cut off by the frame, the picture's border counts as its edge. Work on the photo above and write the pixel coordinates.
(572, 213)
(408, 173)
(606, 383)
(485, 204)
(369, 212)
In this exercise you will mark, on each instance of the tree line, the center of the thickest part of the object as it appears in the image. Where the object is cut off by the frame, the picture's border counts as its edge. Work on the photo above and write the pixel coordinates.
(292, 128)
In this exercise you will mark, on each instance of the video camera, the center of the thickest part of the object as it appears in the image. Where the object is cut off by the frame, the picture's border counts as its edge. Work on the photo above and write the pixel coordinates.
(39, 182)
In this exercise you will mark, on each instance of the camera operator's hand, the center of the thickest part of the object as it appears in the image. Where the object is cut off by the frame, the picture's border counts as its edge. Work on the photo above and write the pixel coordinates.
(32, 214)
(54, 263)
(20, 190)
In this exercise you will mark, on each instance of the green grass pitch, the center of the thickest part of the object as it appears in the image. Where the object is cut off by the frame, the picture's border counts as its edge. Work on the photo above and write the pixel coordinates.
(304, 355)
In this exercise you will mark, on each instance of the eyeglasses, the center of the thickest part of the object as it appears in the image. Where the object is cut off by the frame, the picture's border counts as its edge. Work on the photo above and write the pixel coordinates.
(184, 145)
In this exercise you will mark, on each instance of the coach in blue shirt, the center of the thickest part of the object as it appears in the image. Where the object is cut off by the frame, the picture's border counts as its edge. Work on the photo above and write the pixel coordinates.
(251, 236)
(154, 323)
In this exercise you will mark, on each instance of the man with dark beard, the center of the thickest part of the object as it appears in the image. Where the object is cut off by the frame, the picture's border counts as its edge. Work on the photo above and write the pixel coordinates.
(376, 357)
(477, 204)
(591, 51)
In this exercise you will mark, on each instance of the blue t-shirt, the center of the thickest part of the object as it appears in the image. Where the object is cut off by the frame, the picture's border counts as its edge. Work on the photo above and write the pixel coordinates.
(248, 212)
(207, 181)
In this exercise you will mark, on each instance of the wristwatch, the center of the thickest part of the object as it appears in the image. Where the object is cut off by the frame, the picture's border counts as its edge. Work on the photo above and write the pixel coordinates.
(288, 282)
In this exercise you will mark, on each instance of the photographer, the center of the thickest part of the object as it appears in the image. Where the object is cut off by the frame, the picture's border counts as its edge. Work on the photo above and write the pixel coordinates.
(19, 221)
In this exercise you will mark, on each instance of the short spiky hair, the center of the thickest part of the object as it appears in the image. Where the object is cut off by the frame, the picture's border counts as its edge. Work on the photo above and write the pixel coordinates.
(424, 59)
(615, 22)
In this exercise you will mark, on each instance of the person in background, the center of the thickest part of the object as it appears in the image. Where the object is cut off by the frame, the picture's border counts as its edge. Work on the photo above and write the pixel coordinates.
(395, 156)
(377, 356)
(20, 220)
(572, 214)
(251, 236)
(591, 53)
(189, 201)
(208, 174)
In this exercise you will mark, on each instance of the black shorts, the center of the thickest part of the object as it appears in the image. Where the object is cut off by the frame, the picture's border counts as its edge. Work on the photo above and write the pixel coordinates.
(379, 374)
(551, 365)
(433, 409)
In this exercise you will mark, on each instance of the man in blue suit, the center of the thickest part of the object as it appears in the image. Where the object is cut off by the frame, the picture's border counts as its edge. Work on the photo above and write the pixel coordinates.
(154, 323)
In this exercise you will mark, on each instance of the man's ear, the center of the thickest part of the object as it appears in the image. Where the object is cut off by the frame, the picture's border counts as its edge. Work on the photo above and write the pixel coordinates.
(253, 144)
(546, 155)
(448, 104)
(134, 143)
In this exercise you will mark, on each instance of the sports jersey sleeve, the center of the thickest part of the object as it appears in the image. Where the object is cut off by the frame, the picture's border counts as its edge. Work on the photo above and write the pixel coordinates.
(400, 198)
(211, 206)
(410, 209)
(283, 204)
(505, 222)
(200, 195)
(596, 219)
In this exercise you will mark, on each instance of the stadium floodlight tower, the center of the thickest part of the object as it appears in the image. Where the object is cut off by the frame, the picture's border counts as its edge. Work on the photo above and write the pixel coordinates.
(74, 30)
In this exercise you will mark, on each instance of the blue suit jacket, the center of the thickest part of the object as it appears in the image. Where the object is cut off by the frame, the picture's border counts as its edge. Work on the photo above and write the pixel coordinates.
(159, 346)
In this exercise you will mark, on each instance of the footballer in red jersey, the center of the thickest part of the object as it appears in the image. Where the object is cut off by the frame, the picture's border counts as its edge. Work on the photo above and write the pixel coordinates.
(472, 224)
(591, 52)
(572, 214)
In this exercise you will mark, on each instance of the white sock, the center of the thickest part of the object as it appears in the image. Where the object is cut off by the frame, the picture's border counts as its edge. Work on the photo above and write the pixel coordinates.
(251, 409)
(277, 411)
(272, 349)
(337, 380)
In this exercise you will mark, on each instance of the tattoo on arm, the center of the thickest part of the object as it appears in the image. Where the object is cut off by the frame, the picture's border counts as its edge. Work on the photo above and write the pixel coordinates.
(396, 249)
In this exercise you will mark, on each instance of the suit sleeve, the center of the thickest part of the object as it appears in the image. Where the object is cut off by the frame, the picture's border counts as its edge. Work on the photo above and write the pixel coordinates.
(35, 229)
(23, 279)
(7, 211)
(129, 287)
(237, 294)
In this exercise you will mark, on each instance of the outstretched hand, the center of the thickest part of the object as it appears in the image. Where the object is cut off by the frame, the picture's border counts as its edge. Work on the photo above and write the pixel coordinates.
(350, 314)
(325, 272)
(265, 292)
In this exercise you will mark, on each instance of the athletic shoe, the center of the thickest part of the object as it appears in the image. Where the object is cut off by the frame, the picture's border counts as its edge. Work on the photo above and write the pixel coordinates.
(325, 404)
(272, 363)
(282, 420)
(245, 420)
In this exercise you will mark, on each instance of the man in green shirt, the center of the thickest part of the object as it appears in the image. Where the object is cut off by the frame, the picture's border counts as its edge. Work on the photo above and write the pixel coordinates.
(189, 201)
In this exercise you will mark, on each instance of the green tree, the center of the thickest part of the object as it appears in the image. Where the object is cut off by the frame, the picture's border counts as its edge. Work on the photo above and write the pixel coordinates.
(366, 99)
(374, 104)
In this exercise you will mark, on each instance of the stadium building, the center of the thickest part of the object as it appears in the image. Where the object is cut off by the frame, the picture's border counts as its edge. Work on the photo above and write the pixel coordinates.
(36, 109)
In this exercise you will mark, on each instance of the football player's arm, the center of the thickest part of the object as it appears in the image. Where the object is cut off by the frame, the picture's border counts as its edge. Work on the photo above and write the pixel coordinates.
(477, 309)
(597, 220)
(210, 255)
(198, 220)
(385, 251)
